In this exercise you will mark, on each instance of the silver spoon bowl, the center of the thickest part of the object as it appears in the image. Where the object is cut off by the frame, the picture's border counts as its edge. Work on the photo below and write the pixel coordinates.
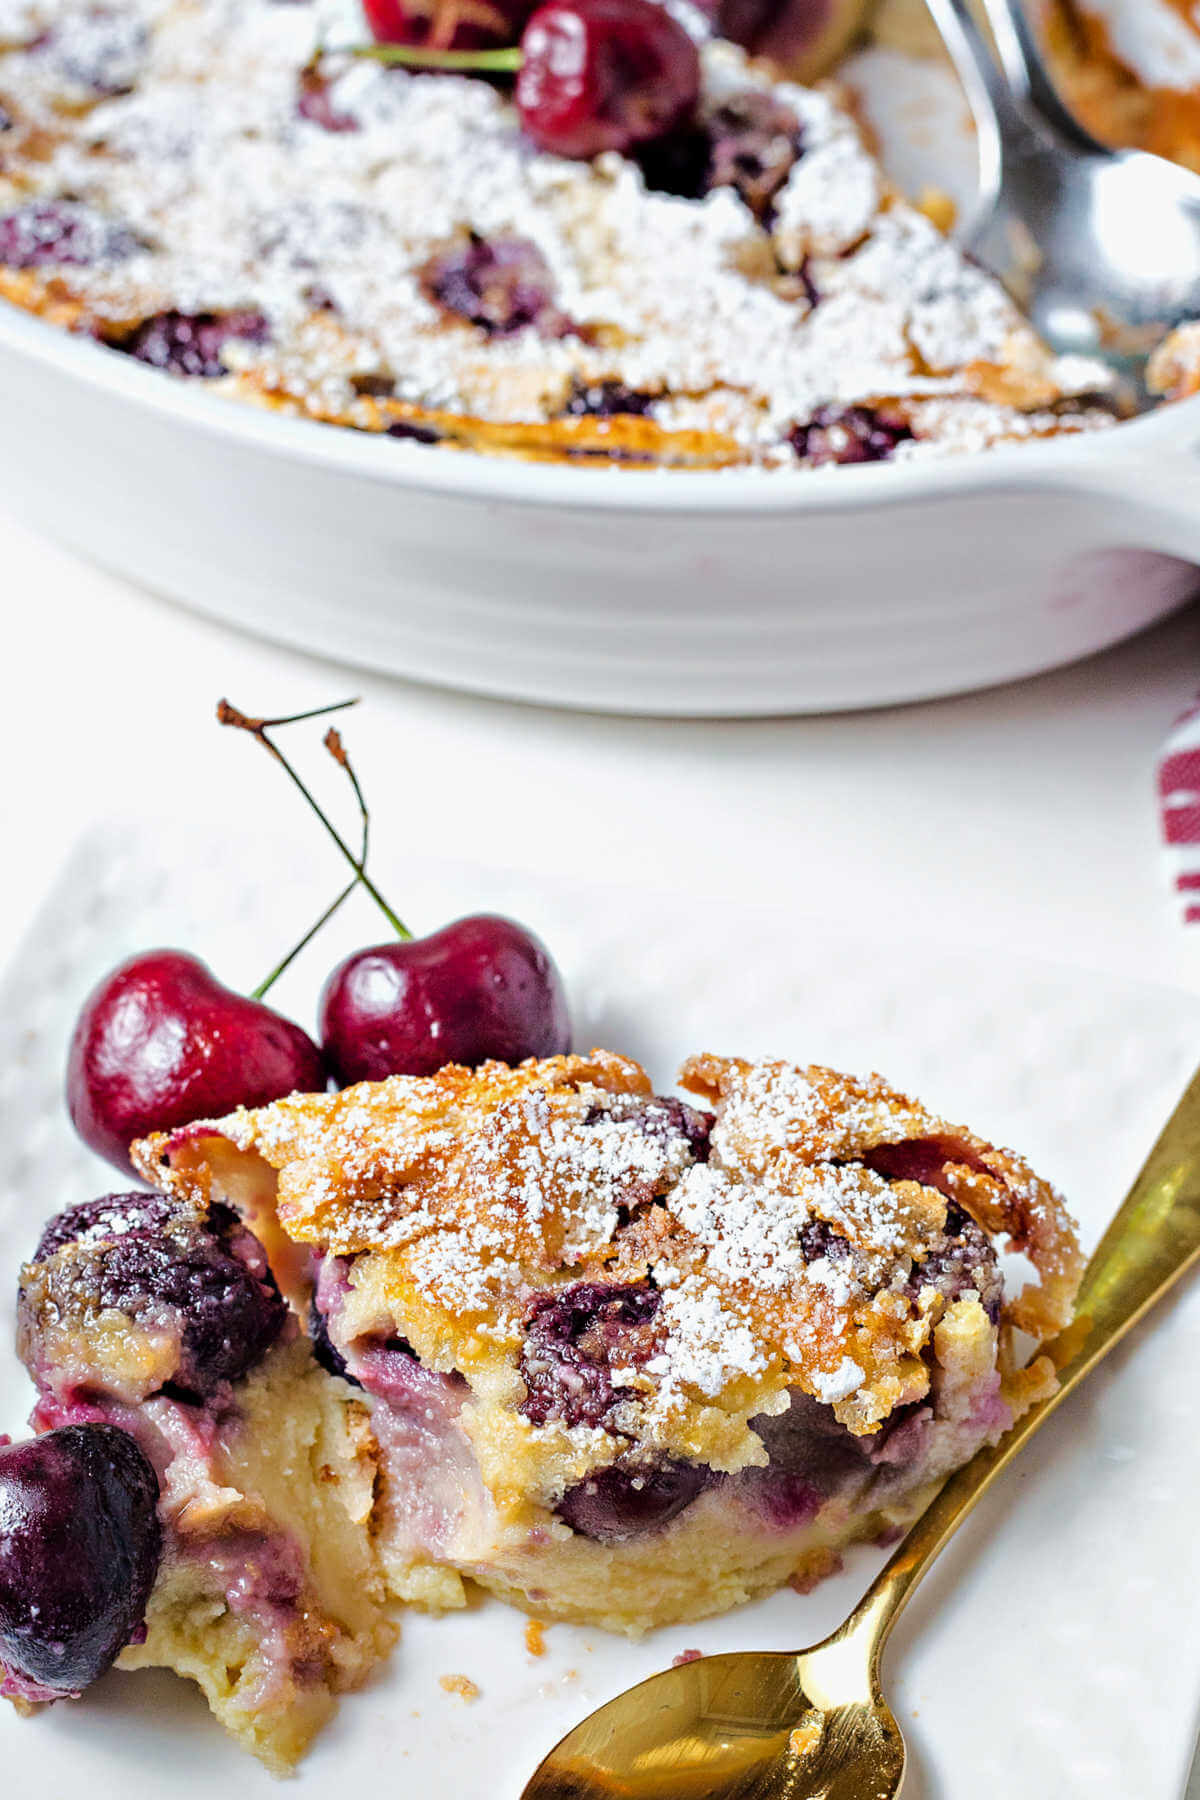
(1100, 248)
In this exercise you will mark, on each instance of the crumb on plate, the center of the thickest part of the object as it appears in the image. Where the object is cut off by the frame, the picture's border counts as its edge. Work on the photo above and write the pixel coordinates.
(462, 1685)
(813, 1569)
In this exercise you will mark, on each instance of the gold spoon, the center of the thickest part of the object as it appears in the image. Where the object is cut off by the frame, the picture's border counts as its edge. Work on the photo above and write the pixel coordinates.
(815, 1726)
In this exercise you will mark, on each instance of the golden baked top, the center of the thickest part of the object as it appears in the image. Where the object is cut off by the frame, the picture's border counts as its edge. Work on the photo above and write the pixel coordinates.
(812, 1230)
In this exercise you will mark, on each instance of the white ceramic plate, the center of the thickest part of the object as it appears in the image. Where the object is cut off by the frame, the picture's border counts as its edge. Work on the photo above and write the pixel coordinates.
(1055, 1652)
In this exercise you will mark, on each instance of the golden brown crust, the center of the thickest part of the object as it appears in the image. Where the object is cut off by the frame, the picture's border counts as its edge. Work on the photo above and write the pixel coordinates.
(49, 297)
(626, 438)
(780, 1122)
(386, 1163)
(1174, 368)
(630, 439)
(1110, 98)
(464, 1193)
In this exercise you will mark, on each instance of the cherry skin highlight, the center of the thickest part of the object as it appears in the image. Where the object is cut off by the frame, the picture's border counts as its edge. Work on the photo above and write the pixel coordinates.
(604, 75)
(481, 988)
(161, 1042)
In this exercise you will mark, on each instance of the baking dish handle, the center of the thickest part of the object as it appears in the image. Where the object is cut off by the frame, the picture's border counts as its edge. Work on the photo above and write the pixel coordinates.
(1160, 482)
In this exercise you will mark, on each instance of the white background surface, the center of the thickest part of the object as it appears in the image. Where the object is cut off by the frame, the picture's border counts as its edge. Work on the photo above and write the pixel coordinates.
(1025, 817)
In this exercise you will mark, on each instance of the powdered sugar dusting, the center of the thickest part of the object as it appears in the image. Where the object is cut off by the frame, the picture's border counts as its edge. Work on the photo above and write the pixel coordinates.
(802, 1237)
(749, 1232)
(838, 1384)
(708, 1345)
(187, 133)
(577, 1169)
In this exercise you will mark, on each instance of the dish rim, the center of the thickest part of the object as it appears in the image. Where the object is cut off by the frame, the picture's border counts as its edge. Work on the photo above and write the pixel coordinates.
(477, 475)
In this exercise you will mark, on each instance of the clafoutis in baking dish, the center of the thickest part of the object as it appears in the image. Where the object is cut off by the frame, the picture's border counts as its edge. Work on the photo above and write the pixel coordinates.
(677, 260)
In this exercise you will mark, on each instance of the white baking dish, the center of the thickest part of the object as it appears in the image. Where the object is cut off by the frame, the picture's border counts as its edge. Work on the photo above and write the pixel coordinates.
(732, 592)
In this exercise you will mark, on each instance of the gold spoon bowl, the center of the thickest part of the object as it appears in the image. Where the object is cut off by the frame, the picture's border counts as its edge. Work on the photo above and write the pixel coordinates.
(815, 1725)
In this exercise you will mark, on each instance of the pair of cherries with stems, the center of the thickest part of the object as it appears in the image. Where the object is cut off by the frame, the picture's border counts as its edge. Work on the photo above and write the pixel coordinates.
(161, 1042)
(594, 75)
(591, 75)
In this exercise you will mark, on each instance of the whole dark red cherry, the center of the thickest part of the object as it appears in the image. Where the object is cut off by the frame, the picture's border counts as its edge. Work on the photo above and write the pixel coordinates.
(447, 24)
(161, 1042)
(604, 75)
(79, 1553)
(480, 988)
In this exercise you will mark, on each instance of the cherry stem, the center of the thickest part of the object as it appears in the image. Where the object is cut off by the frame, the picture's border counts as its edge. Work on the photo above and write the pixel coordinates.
(259, 728)
(333, 743)
(259, 725)
(418, 56)
(264, 987)
(337, 749)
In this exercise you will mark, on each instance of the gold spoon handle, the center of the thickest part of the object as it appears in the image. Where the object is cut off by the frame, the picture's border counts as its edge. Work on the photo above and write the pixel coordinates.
(1150, 1243)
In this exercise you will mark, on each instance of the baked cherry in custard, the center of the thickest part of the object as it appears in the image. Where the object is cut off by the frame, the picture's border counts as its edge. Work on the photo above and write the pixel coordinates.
(201, 1288)
(592, 75)
(501, 285)
(622, 1502)
(191, 343)
(604, 75)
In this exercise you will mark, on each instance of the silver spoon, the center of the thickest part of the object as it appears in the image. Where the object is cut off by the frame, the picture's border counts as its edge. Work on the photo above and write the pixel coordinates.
(1100, 248)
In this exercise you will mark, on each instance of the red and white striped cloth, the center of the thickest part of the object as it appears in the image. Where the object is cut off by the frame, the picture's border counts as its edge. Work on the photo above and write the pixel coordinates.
(1179, 806)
